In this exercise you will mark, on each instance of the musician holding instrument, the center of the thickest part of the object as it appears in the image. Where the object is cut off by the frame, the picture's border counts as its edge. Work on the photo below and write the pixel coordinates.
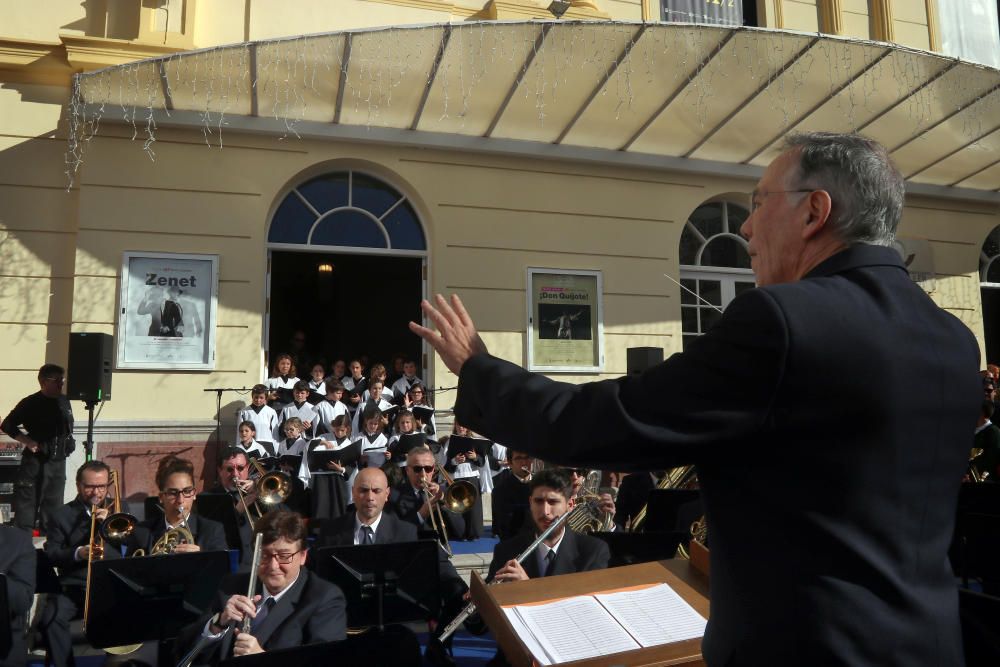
(564, 551)
(510, 495)
(605, 509)
(291, 606)
(70, 544)
(177, 531)
(416, 499)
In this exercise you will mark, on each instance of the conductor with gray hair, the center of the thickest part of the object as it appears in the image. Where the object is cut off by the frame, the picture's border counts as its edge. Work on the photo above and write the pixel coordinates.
(829, 492)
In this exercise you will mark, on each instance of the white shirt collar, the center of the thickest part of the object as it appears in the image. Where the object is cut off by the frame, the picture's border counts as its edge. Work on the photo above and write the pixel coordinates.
(980, 428)
(277, 597)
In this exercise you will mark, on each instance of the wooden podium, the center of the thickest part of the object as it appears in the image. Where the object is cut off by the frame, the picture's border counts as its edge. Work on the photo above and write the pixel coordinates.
(690, 583)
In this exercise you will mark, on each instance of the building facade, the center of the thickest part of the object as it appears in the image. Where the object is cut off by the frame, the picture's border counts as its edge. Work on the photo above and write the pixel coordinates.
(341, 176)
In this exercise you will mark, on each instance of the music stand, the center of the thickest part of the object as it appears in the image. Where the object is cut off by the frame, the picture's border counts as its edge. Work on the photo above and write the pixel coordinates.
(219, 507)
(133, 600)
(673, 509)
(384, 583)
(645, 547)
(396, 646)
(6, 634)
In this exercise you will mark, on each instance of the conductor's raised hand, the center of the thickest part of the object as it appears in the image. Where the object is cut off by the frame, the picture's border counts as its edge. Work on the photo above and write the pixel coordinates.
(456, 339)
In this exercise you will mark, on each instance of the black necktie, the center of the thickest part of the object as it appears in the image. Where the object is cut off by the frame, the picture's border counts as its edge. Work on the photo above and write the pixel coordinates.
(261, 614)
(550, 563)
(367, 535)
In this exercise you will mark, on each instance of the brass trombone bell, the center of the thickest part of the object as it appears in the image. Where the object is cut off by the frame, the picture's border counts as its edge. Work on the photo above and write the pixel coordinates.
(274, 488)
(459, 497)
(118, 526)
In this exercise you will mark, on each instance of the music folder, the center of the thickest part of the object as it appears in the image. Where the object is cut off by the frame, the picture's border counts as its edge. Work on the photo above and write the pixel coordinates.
(133, 600)
(402, 447)
(318, 458)
(688, 583)
(460, 444)
(422, 412)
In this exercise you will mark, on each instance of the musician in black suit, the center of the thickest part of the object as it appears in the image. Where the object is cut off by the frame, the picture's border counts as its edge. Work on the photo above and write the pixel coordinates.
(563, 552)
(411, 502)
(633, 495)
(510, 495)
(175, 480)
(293, 607)
(17, 562)
(68, 547)
(234, 471)
(368, 524)
(790, 406)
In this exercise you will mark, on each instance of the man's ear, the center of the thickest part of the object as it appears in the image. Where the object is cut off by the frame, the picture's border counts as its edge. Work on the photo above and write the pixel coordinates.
(571, 502)
(818, 207)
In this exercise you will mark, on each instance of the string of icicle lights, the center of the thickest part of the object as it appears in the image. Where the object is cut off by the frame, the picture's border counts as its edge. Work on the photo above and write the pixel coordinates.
(376, 77)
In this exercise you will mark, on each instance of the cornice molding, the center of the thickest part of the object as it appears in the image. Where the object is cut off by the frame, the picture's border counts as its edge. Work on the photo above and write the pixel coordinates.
(30, 61)
(508, 10)
(90, 53)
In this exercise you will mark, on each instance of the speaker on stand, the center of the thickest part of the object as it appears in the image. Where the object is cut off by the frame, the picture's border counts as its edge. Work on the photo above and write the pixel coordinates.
(640, 359)
(91, 358)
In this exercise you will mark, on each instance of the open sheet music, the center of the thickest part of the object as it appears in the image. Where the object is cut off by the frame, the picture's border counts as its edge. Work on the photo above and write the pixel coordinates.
(589, 626)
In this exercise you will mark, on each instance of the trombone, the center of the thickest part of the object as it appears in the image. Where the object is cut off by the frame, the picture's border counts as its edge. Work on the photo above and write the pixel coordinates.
(115, 528)
(272, 489)
(458, 499)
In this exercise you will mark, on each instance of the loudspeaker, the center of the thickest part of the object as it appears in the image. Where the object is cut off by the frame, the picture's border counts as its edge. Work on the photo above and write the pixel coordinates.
(90, 361)
(641, 359)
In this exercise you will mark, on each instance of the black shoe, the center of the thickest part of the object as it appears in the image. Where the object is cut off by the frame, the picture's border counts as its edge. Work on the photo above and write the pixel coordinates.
(437, 654)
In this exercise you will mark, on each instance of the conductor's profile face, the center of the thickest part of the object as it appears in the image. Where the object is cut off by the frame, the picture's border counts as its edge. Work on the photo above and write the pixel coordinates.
(547, 505)
(280, 562)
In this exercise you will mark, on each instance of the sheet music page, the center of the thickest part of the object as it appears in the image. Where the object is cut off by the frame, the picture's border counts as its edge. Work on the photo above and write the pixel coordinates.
(376, 458)
(654, 615)
(526, 636)
(575, 629)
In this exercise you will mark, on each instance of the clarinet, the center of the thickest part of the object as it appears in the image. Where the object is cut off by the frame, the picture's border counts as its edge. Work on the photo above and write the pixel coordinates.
(470, 609)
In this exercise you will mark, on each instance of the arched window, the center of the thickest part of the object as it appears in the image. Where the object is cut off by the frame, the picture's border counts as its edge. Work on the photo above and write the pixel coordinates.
(989, 290)
(347, 209)
(715, 265)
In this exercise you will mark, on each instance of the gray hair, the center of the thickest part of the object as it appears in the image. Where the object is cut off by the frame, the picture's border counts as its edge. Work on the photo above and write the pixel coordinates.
(865, 187)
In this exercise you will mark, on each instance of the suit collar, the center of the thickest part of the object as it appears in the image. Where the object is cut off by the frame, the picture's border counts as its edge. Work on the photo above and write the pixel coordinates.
(855, 257)
(283, 608)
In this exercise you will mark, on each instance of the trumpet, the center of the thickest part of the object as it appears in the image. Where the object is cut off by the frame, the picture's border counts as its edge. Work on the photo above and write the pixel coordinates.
(115, 528)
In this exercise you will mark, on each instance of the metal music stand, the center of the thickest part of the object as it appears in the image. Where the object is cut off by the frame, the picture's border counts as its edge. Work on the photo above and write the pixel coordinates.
(218, 406)
(133, 600)
(644, 547)
(384, 583)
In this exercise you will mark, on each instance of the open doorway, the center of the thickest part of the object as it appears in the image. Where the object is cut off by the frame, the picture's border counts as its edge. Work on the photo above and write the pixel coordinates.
(347, 305)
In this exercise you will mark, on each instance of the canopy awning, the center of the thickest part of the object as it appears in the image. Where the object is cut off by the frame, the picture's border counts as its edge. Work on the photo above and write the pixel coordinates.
(676, 95)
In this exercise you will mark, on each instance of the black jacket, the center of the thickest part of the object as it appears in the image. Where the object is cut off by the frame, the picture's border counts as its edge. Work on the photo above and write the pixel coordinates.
(48, 421)
(406, 505)
(576, 553)
(312, 611)
(68, 529)
(208, 534)
(510, 505)
(17, 561)
(829, 419)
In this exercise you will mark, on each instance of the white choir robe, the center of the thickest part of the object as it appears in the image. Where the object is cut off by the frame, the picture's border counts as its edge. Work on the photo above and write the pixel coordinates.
(402, 385)
(326, 412)
(305, 412)
(374, 445)
(265, 422)
(356, 425)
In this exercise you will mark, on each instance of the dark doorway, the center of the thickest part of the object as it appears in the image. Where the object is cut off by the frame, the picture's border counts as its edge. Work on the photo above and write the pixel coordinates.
(991, 324)
(359, 307)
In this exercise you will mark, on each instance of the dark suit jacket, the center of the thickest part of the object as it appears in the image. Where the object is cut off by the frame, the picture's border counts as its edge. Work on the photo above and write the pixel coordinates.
(312, 611)
(68, 529)
(632, 496)
(17, 562)
(510, 505)
(576, 553)
(829, 420)
(208, 534)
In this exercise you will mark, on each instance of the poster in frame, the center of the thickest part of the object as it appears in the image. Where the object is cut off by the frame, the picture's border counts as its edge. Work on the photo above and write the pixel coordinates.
(565, 321)
(167, 311)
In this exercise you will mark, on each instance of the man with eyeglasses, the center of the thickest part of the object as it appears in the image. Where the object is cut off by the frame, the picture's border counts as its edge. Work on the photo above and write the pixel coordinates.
(43, 424)
(293, 607)
(68, 547)
(853, 483)
(232, 477)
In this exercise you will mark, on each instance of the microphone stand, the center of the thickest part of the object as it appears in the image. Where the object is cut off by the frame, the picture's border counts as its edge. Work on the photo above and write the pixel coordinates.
(218, 407)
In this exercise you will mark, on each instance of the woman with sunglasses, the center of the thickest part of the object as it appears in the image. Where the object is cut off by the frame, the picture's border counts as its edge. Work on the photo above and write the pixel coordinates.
(175, 481)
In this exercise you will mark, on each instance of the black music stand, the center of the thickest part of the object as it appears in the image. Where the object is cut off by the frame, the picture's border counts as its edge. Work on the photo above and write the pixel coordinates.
(220, 507)
(133, 600)
(384, 583)
(6, 634)
(397, 646)
(645, 547)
